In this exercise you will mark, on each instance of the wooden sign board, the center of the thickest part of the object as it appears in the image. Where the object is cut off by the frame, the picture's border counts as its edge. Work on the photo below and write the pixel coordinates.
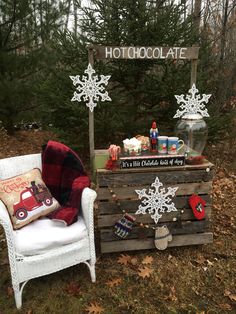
(151, 161)
(152, 53)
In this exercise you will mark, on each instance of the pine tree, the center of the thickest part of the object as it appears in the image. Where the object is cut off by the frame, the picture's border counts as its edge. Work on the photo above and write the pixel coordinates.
(142, 90)
(26, 29)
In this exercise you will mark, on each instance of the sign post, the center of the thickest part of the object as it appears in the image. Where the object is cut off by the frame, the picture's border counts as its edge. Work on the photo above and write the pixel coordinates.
(91, 113)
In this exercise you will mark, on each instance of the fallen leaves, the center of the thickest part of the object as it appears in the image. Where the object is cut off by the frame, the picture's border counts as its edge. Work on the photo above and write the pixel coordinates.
(231, 296)
(114, 282)
(124, 259)
(225, 306)
(147, 260)
(145, 272)
(172, 294)
(94, 308)
(134, 261)
(10, 291)
(200, 260)
(73, 289)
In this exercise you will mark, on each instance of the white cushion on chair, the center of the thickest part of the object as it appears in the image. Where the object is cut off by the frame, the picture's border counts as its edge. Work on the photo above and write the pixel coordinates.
(44, 234)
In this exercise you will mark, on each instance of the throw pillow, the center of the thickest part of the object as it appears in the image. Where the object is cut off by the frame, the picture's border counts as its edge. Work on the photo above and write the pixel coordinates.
(27, 198)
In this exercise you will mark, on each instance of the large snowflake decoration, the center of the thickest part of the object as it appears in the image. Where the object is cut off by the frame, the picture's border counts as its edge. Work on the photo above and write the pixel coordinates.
(90, 88)
(156, 201)
(192, 104)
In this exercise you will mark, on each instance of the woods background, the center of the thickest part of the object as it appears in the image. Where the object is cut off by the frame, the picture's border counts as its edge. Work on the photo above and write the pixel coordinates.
(43, 42)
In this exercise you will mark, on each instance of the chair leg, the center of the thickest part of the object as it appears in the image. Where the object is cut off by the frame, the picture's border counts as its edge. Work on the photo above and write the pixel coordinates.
(18, 289)
(18, 296)
(91, 267)
(92, 272)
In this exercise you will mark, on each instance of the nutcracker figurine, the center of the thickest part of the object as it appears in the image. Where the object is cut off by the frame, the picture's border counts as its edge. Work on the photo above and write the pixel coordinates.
(153, 137)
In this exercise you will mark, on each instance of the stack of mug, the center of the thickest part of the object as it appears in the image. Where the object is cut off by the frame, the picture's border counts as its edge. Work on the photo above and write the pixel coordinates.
(169, 145)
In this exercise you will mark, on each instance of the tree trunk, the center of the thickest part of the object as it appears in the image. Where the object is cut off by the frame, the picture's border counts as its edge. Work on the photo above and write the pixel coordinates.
(67, 15)
(197, 16)
(223, 32)
(75, 17)
(8, 125)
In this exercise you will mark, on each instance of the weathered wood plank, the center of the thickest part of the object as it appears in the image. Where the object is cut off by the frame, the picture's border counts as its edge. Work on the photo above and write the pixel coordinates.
(140, 52)
(189, 179)
(187, 227)
(193, 72)
(132, 205)
(204, 165)
(109, 220)
(129, 192)
(148, 243)
(182, 176)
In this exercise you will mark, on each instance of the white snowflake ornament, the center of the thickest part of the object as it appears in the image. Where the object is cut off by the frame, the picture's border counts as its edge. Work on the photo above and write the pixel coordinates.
(192, 104)
(90, 88)
(156, 201)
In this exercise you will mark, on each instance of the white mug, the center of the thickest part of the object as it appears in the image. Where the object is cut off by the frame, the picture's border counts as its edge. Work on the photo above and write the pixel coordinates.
(162, 144)
(174, 145)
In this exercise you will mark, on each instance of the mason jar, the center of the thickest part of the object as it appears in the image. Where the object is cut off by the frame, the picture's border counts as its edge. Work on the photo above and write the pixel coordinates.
(192, 129)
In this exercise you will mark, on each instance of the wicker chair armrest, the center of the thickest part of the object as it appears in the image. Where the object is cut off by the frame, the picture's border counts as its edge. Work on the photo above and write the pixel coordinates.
(87, 204)
(5, 220)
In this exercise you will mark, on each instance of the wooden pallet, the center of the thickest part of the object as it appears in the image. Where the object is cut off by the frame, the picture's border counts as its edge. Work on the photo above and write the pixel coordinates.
(187, 231)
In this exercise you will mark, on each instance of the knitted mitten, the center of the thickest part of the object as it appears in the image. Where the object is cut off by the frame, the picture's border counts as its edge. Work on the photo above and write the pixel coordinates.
(197, 204)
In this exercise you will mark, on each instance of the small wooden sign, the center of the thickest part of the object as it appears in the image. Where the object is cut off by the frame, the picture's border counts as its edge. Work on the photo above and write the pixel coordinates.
(134, 52)
(151, 161)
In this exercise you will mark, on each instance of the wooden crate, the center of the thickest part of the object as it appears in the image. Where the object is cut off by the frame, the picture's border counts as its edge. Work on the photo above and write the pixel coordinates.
(187, 231)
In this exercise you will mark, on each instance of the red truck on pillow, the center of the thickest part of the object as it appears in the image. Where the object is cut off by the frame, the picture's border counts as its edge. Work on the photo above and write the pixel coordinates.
(31, 198)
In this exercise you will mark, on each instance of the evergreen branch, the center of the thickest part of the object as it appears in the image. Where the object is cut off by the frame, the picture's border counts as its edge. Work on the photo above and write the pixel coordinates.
(29, 108)
(12, 23)
(28, 74)
(14, 48)
(5, 23)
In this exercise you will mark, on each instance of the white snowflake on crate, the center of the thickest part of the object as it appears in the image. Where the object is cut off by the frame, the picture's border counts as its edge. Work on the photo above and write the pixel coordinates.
(192, 103)
(156, 201)
(90, 88)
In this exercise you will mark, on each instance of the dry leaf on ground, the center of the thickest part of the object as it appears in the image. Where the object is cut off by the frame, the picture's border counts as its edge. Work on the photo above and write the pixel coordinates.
(200, 260)
(73, 289)
(134, 261)
(172, 294)
(145, 272)
(114, 282)
(10, 291)
(231, 296)
(147, 260)
(225, 306)
(94, 308)
(124, 259)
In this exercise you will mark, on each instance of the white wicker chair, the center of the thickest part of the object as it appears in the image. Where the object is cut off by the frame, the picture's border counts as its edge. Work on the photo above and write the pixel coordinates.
(25, 267)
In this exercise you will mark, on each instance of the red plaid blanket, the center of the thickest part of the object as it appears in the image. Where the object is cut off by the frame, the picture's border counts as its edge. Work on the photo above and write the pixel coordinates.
(64, 174)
